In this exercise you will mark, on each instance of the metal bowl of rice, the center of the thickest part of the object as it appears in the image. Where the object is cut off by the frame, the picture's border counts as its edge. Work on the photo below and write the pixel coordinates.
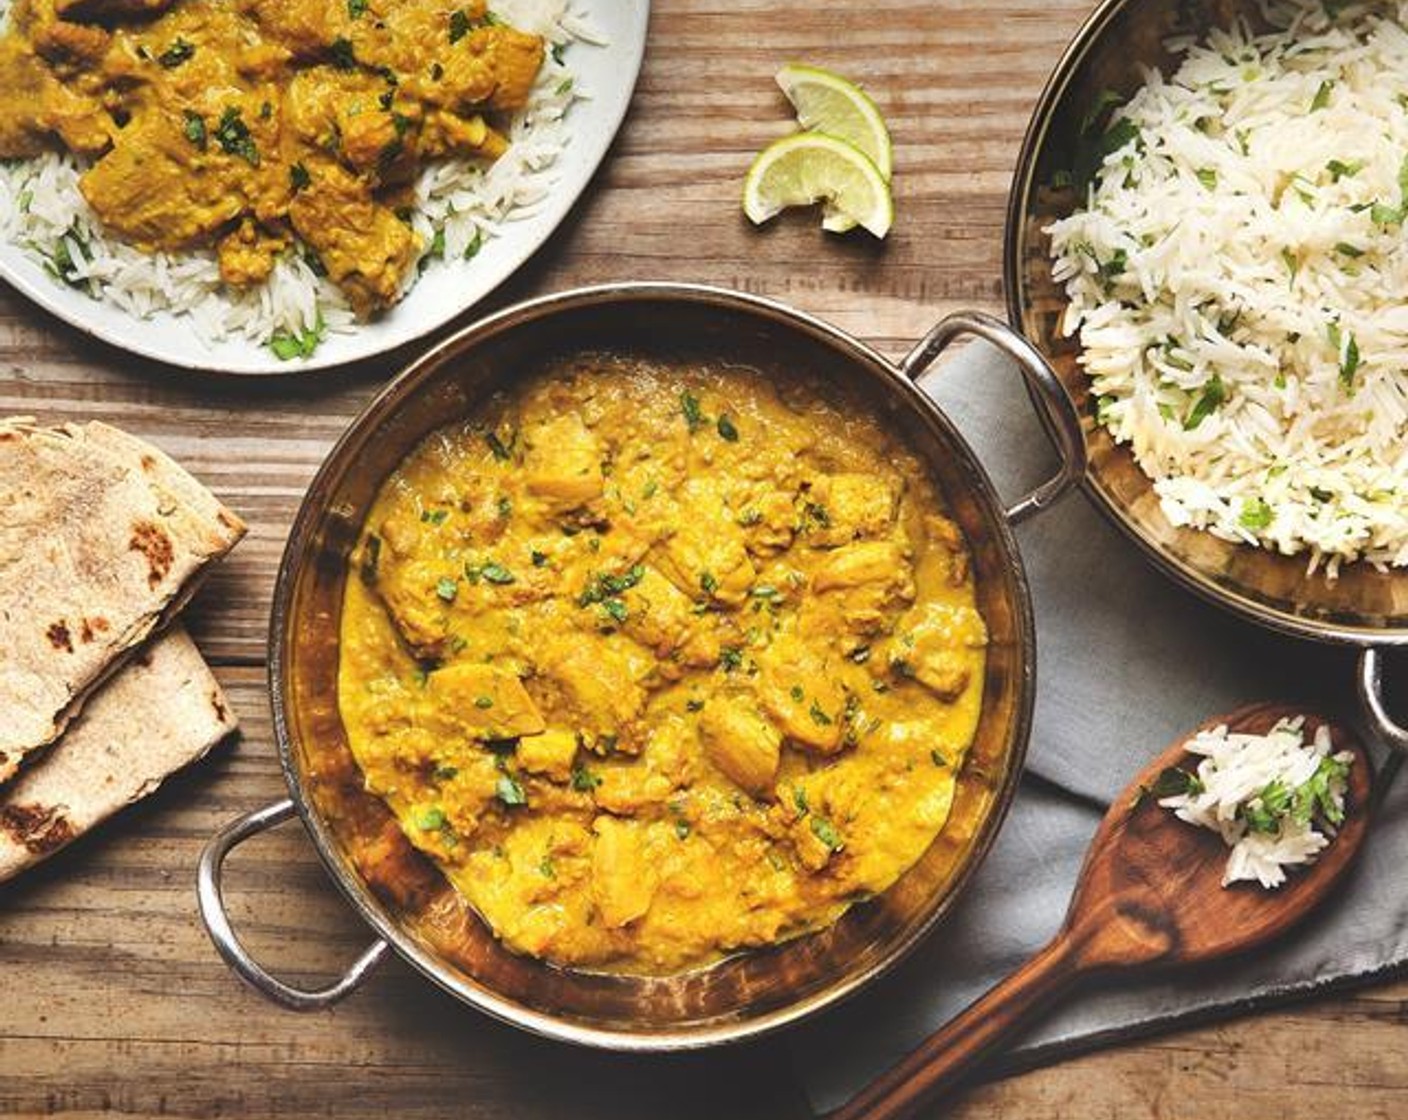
(1205, 240)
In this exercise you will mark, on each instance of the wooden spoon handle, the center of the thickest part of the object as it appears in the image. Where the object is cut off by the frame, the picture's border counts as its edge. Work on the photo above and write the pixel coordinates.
(944, 1057)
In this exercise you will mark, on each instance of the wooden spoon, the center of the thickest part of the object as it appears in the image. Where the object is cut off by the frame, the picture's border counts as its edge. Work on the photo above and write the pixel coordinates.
(1150, 894)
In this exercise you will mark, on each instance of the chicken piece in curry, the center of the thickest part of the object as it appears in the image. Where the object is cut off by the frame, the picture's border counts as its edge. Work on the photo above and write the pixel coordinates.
(247, 124)
(658, 662)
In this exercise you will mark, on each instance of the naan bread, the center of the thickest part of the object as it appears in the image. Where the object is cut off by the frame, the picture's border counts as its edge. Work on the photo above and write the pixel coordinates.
(162, 710)
(102, 539)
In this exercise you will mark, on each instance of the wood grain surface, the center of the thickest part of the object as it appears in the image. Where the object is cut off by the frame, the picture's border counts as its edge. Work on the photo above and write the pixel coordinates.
(113, 999)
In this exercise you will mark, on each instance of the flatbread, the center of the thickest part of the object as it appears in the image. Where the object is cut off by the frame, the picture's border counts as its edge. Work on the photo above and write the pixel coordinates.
(161, 711)
(102, 539)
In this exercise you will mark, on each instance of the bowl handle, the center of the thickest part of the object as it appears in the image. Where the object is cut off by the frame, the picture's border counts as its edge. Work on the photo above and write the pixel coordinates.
(217, 920)
(1371, 698)
(1062, 421)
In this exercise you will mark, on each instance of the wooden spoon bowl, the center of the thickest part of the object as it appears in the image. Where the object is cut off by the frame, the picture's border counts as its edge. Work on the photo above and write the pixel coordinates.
(1149, 895)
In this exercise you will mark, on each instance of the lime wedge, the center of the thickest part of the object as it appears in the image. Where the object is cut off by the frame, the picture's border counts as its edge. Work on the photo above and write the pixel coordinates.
(809, 167)
(826, 102)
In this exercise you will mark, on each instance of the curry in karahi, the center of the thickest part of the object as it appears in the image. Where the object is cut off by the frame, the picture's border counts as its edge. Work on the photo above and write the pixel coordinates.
(249, 124)
(660, 661)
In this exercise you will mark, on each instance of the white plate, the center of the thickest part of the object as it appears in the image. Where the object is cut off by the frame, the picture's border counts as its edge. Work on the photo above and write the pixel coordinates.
(606, 74)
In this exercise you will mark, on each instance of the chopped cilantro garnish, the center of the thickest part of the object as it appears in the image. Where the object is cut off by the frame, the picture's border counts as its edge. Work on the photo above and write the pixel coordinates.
(342, 54)
(826, 832)
(356, 9)
(1256, 514)
(1213, 396)
(819, 717)
(484, 702)
(689, 406)
(496, 573)
(583, 780)
(459, 25)
(195, 129)
(447, 589)
(1322, 96)
(727, 429)
(510, 791)
(232, 134)
(177, 53)
(286, 345)
(731, 658)
(298, 177)
(431, 820)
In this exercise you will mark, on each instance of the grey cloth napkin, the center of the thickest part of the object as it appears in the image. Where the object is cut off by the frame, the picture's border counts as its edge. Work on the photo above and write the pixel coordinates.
(1126, 662)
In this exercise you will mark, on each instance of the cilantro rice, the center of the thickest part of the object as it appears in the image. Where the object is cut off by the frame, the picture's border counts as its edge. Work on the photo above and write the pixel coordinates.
(1237, 278)
(459, 204)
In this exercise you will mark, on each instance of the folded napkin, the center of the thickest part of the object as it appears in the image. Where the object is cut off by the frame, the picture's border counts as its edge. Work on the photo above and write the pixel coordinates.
(1126, 663)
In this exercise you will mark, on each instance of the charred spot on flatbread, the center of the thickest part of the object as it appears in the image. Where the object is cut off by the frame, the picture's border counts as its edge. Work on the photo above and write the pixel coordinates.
(152, 542)
(39, 829)
(59, 637)
(90, 628)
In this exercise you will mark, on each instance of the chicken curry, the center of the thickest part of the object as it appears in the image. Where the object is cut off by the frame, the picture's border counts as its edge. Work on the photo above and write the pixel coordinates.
(657, 662)
(247, 125)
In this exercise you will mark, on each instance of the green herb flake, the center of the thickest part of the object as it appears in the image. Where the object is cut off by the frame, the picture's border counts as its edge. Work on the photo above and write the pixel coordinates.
(1292, 263)
(1340, 169)
(179, 52)
(484, 702)
(431, 820)
(797, 693)
(1208, 177)
(447, 589)
(434, 516)
(1349, 362)
(459, 26)
(731, 658)
(616, 609)
(232, 134)
(287, 345)
(194, 129)
(799, 799)
(708, 583)
(681, 828)
(1256, 514)
(819, 717)
(826, 832)
(727, 429)
(298, 177)
(938, 758)
(510, 791)
(584, 780)
(445, 773)
(1322, 96)
(689, 407)
(496, 573)
(356, 9)
(538, 558)
(497, 446)
(546, 868)
(1213, 397)
(343, 56)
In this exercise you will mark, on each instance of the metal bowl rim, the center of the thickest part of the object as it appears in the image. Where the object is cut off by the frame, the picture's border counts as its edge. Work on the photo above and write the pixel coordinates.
(1185, 575)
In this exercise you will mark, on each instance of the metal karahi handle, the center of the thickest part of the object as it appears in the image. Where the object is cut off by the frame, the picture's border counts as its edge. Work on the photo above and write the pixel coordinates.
(1062, 420)
(1370, 680)
(217, 920)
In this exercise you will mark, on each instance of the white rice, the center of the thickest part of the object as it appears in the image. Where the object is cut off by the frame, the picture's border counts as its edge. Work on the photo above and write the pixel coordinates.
(1242, 259)
(1259, 793)
(42, 210)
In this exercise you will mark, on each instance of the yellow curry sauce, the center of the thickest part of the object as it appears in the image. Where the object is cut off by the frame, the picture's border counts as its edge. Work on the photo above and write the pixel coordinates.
(658, 662)
(243, 124)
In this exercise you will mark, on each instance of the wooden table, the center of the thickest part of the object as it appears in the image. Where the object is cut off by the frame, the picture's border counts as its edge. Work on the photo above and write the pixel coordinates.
(113, 999)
